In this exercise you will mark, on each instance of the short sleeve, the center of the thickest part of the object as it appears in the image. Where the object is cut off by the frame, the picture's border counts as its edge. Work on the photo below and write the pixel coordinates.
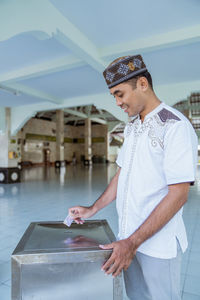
(180, 153)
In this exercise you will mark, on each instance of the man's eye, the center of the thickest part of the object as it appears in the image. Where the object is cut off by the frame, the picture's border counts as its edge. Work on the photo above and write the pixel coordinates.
(120, 96)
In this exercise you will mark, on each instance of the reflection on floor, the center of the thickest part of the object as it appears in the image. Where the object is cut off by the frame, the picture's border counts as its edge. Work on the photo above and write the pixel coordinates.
(45, 194)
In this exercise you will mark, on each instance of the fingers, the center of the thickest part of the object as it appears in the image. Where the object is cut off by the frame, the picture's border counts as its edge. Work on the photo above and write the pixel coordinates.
(81, 212)
(119, 260)
(75, 213)
(113, 267)
(117, 272)
(107, 246)
(110, 262)
(79, 221)
(107, 265)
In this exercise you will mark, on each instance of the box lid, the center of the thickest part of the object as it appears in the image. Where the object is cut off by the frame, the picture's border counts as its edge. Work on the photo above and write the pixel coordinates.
(48, 237)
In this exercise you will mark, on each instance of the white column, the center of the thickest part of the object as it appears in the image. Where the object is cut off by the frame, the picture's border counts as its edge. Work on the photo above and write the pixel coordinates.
(5, 126)
(9, 152)
(2, 120)
(88, 141)
(60, 135)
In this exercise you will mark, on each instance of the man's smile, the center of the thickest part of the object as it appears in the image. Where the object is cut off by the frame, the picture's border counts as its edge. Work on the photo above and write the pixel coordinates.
(124, 107)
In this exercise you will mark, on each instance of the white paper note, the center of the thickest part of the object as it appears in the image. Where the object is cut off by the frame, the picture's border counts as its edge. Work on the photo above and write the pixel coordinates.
(68, 221)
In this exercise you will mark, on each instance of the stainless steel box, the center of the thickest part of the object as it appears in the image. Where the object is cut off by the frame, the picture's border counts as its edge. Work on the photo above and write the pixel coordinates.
(54, 262)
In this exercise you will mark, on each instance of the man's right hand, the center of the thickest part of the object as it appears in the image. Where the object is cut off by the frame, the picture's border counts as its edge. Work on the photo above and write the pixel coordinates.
(79, 213)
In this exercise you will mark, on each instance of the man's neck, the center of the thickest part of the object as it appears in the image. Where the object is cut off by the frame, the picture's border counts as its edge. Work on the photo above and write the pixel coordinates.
(152, 103)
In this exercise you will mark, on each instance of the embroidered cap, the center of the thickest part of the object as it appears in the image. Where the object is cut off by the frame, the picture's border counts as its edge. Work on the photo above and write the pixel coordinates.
(123, 69)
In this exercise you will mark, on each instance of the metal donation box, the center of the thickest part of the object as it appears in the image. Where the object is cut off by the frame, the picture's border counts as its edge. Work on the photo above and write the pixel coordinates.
(54, 262)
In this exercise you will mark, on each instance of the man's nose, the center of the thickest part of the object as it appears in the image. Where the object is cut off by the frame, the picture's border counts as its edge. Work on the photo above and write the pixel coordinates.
(118, 102)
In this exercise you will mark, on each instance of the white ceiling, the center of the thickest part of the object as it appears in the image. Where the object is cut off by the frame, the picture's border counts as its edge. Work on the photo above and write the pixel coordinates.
(53, 52)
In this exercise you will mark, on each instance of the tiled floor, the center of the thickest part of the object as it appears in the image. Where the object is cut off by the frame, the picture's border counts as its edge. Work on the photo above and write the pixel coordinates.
(46, 195)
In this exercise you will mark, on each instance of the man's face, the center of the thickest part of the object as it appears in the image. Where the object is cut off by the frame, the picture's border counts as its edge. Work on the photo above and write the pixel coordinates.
(129, 99)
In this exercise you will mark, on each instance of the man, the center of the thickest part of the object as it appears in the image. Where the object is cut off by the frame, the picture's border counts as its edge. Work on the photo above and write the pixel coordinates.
(157, 164)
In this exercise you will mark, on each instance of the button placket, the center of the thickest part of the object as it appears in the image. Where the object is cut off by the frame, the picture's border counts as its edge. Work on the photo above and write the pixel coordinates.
(136, 132)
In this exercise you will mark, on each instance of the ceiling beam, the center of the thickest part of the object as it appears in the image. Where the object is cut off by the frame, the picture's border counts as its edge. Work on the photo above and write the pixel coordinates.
(41, 69)
(102, 115)
(10, 90)
(79, 44)
(74, 118)
(40, 114)
(22, 89)
(97, 120)
(118, 138)
(168, 39)
(75, 113)
(84, 116)
(72, 38)
(113, 125)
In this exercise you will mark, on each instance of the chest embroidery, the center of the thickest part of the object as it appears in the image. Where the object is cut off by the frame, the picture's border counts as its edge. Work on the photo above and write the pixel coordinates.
(156, 126)
(133, 125)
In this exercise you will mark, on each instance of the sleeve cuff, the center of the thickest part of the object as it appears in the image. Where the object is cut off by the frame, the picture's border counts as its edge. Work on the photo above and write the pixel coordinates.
(180, 180)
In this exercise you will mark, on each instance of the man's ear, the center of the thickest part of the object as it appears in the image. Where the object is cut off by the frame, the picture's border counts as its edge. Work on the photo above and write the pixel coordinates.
(143, 83)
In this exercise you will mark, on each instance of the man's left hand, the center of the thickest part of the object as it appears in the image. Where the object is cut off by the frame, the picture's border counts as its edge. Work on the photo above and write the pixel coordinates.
(122, 256)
